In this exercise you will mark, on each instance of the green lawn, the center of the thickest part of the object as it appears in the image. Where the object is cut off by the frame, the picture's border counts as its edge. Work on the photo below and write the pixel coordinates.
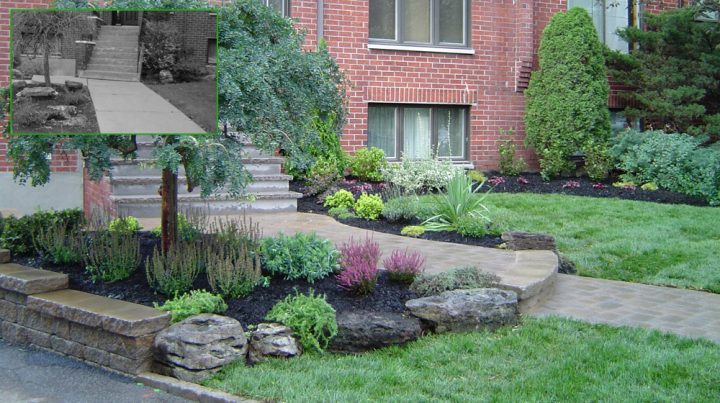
(547, 359)
(675, 245)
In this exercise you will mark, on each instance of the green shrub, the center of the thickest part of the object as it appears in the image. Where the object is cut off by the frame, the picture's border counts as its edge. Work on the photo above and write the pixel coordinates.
(471, 227)
(299, 256)
(413, 230)
(477, 176)
(650, 186)
(329, 149)
(460, 278)
(58, 244)
(509, 165)
(414, 175)
(174, 272)
(161, 46)
(675, 162)
(460, 201)
(184, 72)
(401, 209)
(322, 176)
(111, 256)
(74, 98)
(29, 114)
(310, 317)
(341, 198)
(186, 230)
(194, 303)
(367, 164)
(566, 108)
(341, 213)
(368, 206)
(127, 225)
(18, 232)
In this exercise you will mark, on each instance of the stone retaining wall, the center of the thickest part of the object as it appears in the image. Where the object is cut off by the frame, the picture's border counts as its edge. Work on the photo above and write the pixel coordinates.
(37, 308)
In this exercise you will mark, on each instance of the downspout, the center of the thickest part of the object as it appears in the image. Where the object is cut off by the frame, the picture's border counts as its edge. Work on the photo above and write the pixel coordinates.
(320, 21)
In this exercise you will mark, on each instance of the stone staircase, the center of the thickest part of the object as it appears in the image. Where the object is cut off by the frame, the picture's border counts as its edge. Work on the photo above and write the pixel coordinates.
(135, 187)
(115, 56)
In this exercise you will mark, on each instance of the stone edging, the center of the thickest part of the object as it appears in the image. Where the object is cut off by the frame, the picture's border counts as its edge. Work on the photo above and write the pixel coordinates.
(187, 390)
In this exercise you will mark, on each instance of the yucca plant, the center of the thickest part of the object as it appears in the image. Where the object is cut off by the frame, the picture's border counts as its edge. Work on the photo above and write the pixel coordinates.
(461, 199)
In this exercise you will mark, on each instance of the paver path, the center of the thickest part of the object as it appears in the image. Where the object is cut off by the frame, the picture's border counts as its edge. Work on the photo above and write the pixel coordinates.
(132, 107)
(683, 312)
(31, 375)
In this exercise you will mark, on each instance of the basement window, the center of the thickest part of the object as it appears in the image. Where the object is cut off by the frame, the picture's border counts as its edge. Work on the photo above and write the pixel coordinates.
(281, 6)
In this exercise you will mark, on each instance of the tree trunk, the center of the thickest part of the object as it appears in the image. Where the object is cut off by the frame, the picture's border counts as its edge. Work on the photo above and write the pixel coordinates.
(46, 65)
(168, 218)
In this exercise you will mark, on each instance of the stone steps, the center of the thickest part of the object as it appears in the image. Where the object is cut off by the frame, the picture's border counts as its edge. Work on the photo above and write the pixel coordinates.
(109, 75)
(140, 167)
(144, 185)
(115, 56)
(111, 67)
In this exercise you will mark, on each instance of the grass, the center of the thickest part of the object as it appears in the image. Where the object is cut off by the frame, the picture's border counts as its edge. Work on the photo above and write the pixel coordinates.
(548, 359)
(194, 99)
(651, 243)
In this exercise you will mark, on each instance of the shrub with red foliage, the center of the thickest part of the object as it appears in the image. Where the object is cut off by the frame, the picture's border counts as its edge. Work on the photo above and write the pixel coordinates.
(404, 266)
(359, 263)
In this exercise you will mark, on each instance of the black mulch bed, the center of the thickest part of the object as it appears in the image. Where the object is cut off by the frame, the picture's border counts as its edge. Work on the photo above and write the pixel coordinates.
(387, 297)
(589, 188)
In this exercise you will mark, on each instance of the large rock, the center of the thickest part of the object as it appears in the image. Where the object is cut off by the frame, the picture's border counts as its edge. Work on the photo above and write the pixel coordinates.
(200, 345)
(73, 85)
(528, 241)
(17, 74)
(62, 112)
(272, 340)
(166, 76)
(463, 310)
(38, 92)
(362, 331)
(19, 85)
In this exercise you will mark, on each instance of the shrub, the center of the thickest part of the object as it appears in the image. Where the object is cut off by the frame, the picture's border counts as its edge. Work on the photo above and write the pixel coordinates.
(184, 72)
(402, 208)
(174, 272)
(413, 230)
(341, 213)
(477, 176)
(58, 244)
(404, 266)
(18, 233)
(341, 198)
(460, 201)
(299, 256)
(471, 227)
(359, 262)
(461, 278)
(650, 186)
(322, 176)
(75, 98)
(111, 256)
(367, 164)
(310, 317)
(194, 303)
(415, 175)
(161, 46)
(329, 148)
(29, 114)
(509, 165)
(368, 206)
(566, 108)
(126, 225)
(676, 162)
(188, 229)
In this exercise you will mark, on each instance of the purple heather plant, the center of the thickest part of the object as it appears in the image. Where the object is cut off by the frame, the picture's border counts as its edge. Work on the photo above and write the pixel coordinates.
(404, 266)
(599, 186)
(521, 180)
(496, 180)
(359, 262)
(571, 185)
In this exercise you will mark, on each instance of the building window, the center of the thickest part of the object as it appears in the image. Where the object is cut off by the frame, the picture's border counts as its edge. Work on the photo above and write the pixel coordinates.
(211, 50)
(417, 131)
(442, 23)
(609, 16)
(619, 122)
(282, 6)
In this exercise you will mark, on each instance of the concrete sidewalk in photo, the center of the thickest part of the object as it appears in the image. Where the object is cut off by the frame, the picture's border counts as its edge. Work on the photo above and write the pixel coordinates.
(132, 107)
(31, 375)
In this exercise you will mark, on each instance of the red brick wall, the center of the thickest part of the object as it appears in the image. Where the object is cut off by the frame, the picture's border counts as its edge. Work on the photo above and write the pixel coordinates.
(196, 29)
(96, 195)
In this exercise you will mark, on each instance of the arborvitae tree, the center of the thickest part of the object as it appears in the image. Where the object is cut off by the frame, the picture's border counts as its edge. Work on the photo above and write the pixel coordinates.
(566, 110)
(674, 70)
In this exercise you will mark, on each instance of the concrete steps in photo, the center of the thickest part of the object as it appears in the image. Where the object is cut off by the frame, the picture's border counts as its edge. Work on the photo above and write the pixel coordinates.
(115, 56)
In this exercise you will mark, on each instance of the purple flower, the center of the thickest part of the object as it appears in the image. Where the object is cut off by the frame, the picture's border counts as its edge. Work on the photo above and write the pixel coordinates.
(404, 266)
(571, 185)
(359, 263)
(599, 186)
(496, 180)
(521, 180)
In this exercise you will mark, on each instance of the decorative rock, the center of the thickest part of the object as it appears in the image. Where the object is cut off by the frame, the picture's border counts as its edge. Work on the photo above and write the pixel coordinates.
(4, 256)
(528, 241)
(463, 310)
(166, 76)
(18, 85)
(73, 85)
(200, 345)
(17, 74)
(274, 340)
(38, 92)
(63, 112)
(362, 331)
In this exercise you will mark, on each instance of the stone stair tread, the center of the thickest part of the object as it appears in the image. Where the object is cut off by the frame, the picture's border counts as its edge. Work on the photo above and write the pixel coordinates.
(216, 197)
(27, 280)
(113, 315)
(251, 160)
(182, 178)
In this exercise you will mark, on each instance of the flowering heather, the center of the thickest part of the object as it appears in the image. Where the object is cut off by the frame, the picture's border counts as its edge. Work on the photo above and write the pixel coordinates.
(599, 186)
(359, 262)
(496, 180)
(571, 185)
(404, 266)
(521, 180)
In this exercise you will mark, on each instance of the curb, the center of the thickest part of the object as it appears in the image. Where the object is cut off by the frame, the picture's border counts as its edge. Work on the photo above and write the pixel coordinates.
(188, 390)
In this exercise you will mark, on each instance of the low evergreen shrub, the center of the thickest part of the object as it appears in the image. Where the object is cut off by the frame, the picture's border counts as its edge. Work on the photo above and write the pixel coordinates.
(367, 164)
(310, 317)
(299, 256)
(129, 225)
(195, 302)
(174, 272)
(111, 256)
(368, 206)
(461, 278)
(359, 264)
(404, 266)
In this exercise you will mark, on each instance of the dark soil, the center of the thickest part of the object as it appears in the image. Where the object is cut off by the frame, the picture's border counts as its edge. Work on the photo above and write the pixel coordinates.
(387, 297)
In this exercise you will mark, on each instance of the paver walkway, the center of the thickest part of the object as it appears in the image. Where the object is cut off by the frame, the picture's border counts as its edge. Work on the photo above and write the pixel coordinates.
(31, 375)
(687, 313)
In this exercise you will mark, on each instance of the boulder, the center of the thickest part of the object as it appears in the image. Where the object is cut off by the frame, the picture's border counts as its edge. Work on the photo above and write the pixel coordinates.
(166, 76)
(199, 346)
(19, 85)
(38, 92)
(62, 112)
(273, 340)
(73, 85)
(464, 310)
(360, 331)
(517, 240)
(17, 74)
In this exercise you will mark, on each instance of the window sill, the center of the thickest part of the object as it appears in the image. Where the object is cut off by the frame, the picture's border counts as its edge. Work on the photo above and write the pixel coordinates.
(460, 51)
